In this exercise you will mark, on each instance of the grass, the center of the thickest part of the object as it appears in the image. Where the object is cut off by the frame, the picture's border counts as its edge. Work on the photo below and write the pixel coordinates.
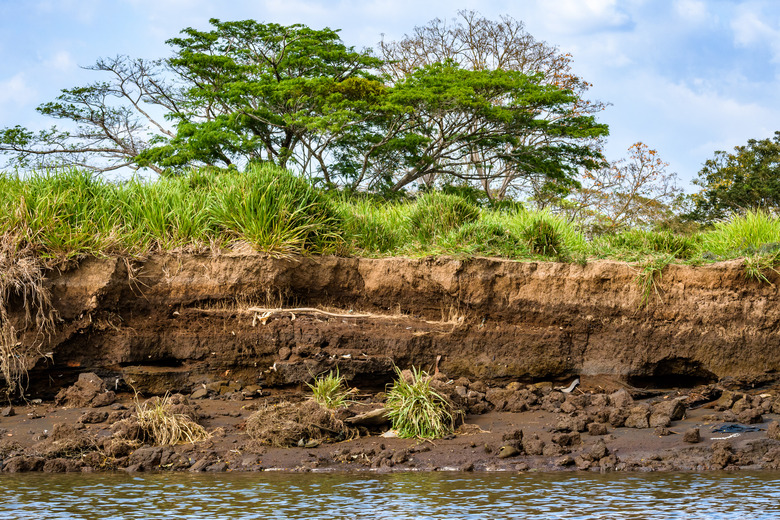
(162, 426)
(649, 278)
(417, 410)
(330, 390)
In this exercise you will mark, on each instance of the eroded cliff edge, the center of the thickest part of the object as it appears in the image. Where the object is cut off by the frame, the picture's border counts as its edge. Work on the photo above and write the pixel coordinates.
(172, 322)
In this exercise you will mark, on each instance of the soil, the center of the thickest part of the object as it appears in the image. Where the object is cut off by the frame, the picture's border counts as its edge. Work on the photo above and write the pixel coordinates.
(239, 332)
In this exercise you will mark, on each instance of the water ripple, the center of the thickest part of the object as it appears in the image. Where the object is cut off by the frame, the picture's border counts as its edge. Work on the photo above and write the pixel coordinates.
(572, 496)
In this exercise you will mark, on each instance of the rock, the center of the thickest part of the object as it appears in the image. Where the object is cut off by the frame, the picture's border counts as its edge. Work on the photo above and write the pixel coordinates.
(673, 408)
(638, 417)
(722, 454)
(621, 399)
(617, 418)
(23, 463)
(608, 463)
(750, 416)
(773, 431)
(660, 420)
(93, 417)
(692, 436)
(516, 435)
(533, 445)
(8, 411)
(597, 429)
(200, 393)
(566, 460)
(284, 353)
(89, 390)
(662, 431)
(508, 451)
(582, 463)
(566, 439)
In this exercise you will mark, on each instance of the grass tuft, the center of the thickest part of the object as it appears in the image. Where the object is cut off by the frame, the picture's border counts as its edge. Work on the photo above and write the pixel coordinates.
(330, 390)
(163, 426)
(649, 278)
(417, 410)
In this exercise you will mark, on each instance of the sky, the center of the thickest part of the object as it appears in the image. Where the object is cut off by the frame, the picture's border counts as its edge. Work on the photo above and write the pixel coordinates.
(686, 77)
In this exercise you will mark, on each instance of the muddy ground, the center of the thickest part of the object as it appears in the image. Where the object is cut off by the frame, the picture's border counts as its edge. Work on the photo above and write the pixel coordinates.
(599, 426)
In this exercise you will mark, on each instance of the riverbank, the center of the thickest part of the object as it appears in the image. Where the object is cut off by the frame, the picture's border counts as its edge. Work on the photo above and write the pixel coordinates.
(241, 331)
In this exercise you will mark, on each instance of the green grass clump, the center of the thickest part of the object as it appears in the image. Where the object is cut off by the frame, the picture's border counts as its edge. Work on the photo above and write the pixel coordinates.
(417, 410)
(548, 235)
(330, 390)
(435, 214)
(485, 237)
(742, 234)
(757, 266)
(372, 227)
(275, 211)
(649, 278)
(634, 244)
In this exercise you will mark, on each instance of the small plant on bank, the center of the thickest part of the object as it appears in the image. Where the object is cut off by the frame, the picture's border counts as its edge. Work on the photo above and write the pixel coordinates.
(330, 390)
(757, 266)
(417, 410)
(162, 426)
(649, 278)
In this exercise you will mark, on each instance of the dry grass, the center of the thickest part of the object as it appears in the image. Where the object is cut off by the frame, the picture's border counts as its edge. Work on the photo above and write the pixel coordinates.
(285, 424)
(162, 425)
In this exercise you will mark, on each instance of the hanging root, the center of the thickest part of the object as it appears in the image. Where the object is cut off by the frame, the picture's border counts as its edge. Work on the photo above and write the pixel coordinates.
(21, 281)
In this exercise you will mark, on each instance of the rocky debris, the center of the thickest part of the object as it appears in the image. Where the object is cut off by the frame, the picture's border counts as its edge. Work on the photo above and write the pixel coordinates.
(692, 436)
(750, 416)
(508, 451)
(674, 409)
(93, 417)
(88, 391)
(597, 429)
(722, 454)
(566, 440)
(8, 411)
(533, 445)
(638, 416)
(773, 431)
(65, 441)
(23, 463)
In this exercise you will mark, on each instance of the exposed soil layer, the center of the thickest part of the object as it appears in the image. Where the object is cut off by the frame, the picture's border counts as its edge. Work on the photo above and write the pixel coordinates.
(238, 332)
(173, 322)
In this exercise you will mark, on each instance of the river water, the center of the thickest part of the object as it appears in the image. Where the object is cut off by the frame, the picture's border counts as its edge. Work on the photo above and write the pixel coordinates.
(572, 496)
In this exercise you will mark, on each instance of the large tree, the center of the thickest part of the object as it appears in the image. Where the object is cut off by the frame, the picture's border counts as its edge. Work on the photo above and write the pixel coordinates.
(748, 178)
(478, 44)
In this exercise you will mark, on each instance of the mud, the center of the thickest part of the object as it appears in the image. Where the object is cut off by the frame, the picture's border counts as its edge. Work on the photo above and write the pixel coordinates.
(241, 331)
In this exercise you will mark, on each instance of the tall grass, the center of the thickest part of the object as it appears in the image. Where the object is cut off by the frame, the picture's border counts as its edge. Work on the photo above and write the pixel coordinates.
(753, 232)
(417, 410)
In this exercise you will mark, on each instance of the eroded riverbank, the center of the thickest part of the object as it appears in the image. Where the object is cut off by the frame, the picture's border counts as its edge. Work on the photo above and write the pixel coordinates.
(235, 333)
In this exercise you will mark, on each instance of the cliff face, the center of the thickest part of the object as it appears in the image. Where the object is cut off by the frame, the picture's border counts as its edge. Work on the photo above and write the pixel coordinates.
(171, 322)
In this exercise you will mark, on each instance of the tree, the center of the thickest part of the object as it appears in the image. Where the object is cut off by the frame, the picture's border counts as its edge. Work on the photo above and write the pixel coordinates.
(636, 191)
(112, 122)
(298, 97)
(478, 44)
(748, 178)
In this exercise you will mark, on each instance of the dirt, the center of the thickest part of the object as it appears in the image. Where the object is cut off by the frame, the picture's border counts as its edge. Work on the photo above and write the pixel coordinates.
(239, 332)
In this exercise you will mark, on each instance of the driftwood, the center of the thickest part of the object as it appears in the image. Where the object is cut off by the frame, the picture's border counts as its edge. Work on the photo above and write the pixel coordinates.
(376, 417)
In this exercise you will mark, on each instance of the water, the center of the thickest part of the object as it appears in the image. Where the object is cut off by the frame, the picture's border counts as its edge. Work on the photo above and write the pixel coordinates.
(573, 496)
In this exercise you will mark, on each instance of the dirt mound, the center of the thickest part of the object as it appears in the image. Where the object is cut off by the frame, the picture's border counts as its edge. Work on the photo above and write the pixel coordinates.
(292, 424)
(89, 390)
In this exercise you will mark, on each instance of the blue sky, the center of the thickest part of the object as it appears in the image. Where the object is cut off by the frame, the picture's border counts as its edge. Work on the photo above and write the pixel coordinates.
(687, 77)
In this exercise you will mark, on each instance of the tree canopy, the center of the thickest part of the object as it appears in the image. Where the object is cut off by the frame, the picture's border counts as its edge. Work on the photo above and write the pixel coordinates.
(748, 178)
(491, 108)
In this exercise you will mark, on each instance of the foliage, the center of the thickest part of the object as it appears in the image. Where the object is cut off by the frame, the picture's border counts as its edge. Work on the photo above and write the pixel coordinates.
(246, 92)
(531, 160)
(416, 409)
(330, 390)
(747, 179)
(436, 213)
(633, 244)
(753, 232)
(757, 266)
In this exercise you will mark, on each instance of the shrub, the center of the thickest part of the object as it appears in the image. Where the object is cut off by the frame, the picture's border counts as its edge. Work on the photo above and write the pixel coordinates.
(162, 425)
(416, 409)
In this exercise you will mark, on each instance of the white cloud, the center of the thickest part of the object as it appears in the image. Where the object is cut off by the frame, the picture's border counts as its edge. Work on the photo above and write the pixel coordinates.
(753, 29)
(61, 61)
(582, 16)
(16, 91)
(693, 11)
